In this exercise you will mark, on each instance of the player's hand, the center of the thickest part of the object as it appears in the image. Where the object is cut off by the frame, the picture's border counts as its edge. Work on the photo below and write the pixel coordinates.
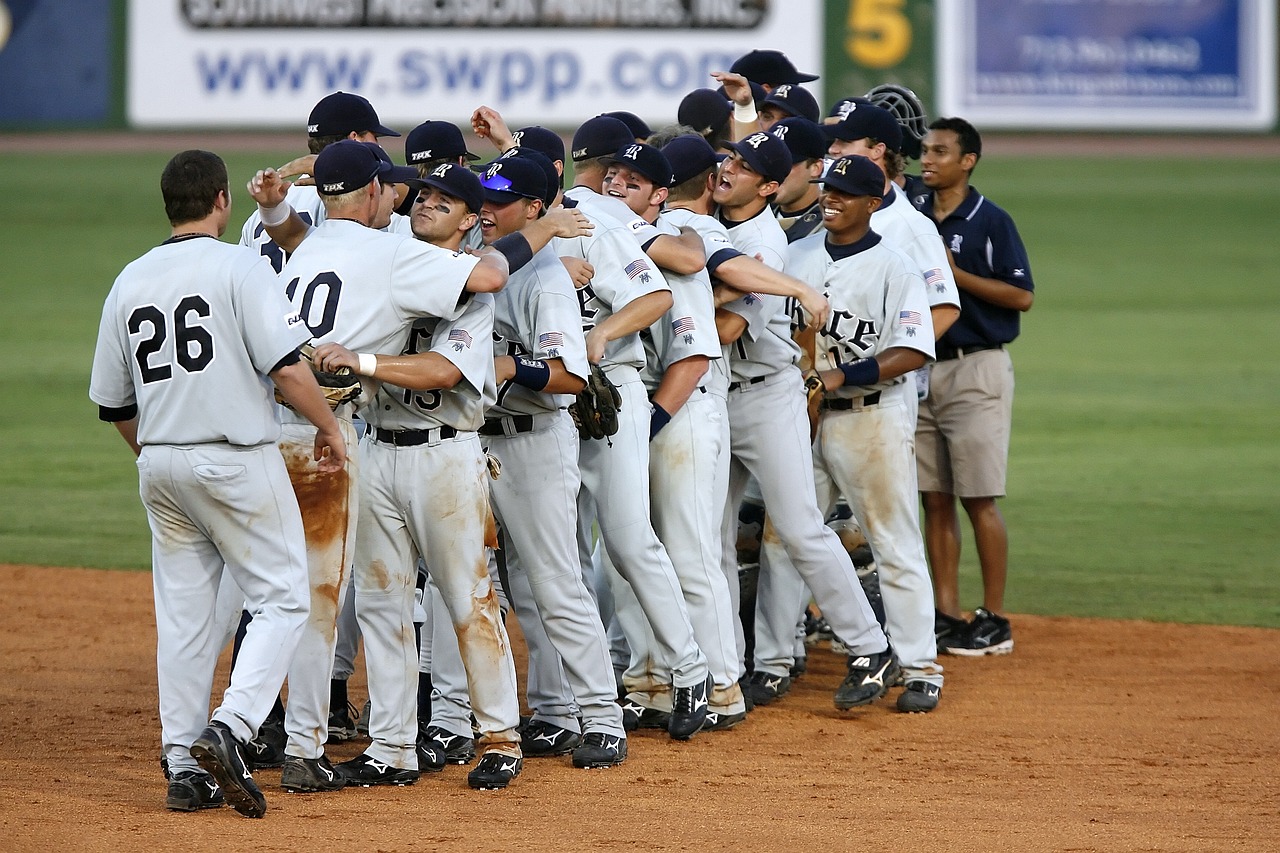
(724, 294)
(504, 368)
(736, 87)
(330, 449)
(569, 222)
(579, 270)
(832, 379)
(596, 342)
(304, 165)
(268, 188)
(333, 357)
(816, 306)
(487, 123)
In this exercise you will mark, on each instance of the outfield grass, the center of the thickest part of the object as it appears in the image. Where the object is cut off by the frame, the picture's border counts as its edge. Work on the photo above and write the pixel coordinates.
(1145, 470)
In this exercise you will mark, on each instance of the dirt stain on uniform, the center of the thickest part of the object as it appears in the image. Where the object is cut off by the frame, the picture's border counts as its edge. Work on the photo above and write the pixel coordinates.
(322, 498)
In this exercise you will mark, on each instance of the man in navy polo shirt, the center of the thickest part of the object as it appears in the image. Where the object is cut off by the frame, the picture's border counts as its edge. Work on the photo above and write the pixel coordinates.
(962, 440)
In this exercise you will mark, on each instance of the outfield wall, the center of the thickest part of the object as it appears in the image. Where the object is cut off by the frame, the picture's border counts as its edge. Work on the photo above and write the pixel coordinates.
(1126, 65)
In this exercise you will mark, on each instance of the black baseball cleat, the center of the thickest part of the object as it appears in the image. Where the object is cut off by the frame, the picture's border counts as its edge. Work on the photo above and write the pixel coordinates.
(455, 749)
(342, 723)
(719, 721)
(267, 749)
(988, 634)
(222, 756)
(494, 771)
(541, 739)
(310, 775)
(689, 710)
(869, 678)
(920, 697)
(599, 750)
(364, 772)
(191, 790)
(764, 687)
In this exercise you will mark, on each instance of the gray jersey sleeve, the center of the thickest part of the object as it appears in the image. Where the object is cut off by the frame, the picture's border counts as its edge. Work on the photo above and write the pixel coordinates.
(429, 281)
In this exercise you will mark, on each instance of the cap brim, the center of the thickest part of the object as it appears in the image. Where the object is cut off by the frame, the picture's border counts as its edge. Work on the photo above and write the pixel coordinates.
(746, 152)
(502, 196)
(432, 184)
(398, 175)
(470, 156)
(379, 130)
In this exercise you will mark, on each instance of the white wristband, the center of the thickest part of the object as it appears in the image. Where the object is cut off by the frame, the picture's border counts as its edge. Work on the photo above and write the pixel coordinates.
(745, 114)
(272, 216)
(368, 364)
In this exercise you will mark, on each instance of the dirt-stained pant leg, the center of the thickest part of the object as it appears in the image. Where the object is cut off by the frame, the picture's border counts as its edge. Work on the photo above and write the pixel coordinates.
(329, 505)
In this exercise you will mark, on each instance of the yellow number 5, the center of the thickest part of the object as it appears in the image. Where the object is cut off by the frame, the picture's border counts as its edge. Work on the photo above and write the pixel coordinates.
(878, 34)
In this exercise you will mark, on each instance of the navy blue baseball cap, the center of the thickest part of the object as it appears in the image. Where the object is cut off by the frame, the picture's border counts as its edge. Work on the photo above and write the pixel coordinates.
(689, 157)
(804, 138)
(540, 139)
(600, 137)
(767, 155)
(348, 165)
(512, 178)
(544, 163)
(646, 160)
(867, 121)
(705, 110)
(638, 128)
(842, 108)
(795, 101)
(855, 175)
(453, 180)
(769, 66)
(342, 113)
(435, 140)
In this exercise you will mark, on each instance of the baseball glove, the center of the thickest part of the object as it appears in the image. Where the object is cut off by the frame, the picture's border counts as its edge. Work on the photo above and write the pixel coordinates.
(595, 412)
(815, 392)
(338, 387)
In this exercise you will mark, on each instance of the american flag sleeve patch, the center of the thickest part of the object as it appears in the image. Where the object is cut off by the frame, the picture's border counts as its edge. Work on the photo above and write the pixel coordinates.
(683, 326)
(909, 318)
(460, 336)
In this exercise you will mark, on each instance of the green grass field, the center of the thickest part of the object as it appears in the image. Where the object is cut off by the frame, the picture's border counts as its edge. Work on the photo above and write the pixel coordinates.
(1145, 468)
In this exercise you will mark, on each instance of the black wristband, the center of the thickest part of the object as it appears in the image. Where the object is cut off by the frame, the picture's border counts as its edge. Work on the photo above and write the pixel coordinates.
(660, 418)
(516, 249)
(531, 373)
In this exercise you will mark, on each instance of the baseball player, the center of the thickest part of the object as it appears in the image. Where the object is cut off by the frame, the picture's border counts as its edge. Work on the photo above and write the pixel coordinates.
(962, 442)
(390, 282)
(687, 450)
(769, 435)
(788, 101)
(795, 205)
(189, 333)
(879, 332)
(626, 295)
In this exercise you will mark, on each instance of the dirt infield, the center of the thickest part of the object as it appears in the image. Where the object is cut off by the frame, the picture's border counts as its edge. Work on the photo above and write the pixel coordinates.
(1093, 736)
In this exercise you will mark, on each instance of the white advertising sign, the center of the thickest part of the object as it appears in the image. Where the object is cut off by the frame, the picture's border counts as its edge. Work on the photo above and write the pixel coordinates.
(264, 63)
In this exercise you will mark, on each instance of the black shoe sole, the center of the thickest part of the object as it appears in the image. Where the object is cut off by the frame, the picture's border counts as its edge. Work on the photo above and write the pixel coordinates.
(240, 797)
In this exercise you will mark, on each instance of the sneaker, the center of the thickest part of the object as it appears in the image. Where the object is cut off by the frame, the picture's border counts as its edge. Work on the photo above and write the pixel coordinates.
(764, 687)
(457, 748)
(599, 750)
(222, 756)
(920, 697)
(267, 749)
(363, 771)
(541, 739)
(689, 710)
(192, 790)
(988, 634)
(869, 678)
(310, 775)
(342, 723)
(719, 721)
(947, 629)
(362, 721)
(494, 771)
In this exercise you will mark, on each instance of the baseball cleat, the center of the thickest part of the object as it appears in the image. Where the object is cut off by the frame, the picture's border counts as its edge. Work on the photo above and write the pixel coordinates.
(456, 749)
(719, 721)
(342, 723)
(222, 756)
(947, 629)
(765, 687)
(494, 771)
(988, 634)
(920, 697)
(192, 790)
(599, 750)
(689, 710)
(541, 739)
(869, 678)
(364, 772)
(310, 775)
(267, 749)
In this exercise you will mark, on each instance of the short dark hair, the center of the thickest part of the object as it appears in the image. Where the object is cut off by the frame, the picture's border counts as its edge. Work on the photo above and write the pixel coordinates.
(190, 184)
(316, 144)
(967, 134)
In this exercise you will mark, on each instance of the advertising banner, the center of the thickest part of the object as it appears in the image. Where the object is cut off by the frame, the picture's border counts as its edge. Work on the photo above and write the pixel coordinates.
(1131, 64)
(55, 62)
(264, 63)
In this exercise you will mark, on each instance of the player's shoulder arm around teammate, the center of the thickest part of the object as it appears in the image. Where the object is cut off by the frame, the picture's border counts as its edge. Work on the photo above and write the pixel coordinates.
(427, 281)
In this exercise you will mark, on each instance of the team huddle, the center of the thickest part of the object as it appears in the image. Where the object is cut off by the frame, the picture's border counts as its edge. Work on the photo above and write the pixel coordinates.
(678, 418)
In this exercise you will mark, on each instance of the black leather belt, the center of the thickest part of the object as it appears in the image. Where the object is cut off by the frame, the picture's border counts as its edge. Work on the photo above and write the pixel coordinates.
(946, 353)
(412, 437)
(846, 404)
(521, 423)
(734, 386)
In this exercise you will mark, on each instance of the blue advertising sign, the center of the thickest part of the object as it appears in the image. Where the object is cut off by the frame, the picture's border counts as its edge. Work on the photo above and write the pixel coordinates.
(1134, 64)
(55, 62)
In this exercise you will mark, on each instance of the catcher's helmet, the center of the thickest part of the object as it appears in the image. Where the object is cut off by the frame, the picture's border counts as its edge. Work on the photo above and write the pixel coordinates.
(907, 109)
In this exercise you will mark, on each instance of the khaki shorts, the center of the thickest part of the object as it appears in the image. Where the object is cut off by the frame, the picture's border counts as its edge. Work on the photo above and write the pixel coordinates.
(962, 434)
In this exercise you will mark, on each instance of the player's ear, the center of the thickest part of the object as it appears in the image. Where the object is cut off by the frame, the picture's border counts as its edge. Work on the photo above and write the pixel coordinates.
(658, 196)
(768, 188)
(468, 222)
